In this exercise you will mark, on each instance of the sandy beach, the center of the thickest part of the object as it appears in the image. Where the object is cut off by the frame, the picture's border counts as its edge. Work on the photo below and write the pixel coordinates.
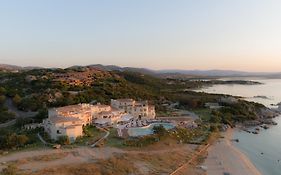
(224, 157)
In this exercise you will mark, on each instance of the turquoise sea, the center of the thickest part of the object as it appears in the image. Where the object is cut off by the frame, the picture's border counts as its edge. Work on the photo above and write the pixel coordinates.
(264, 149)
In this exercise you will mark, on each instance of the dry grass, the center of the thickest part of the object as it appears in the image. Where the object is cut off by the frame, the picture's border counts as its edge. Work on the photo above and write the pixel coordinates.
(162, 162)
(160, 158)
(44, 158)
(120, 164)
(124, 164)
(77, 169)
(49, 157)
(117, 165)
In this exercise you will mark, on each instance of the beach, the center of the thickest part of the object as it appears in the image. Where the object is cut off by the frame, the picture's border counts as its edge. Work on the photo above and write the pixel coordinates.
(224, 157)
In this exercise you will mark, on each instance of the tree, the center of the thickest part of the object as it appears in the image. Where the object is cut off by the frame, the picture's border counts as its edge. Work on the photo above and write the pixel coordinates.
(15, 141)
(159, 130)
(2, 99)
(214, 128)
(17, 99)
(3, 91)
(42, 114)
(22, 140)
(63, 140)
(216, 117)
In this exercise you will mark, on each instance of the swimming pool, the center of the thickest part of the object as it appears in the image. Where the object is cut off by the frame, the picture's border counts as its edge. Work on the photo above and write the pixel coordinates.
(147, 130)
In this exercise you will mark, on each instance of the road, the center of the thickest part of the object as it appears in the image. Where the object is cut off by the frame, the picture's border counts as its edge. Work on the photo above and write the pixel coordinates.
(18, 114)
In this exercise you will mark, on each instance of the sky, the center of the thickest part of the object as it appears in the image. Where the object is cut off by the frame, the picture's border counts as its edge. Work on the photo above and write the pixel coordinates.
(157, 34)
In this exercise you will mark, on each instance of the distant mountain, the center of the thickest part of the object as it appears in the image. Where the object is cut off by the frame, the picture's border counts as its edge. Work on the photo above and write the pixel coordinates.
(7, 67)
(118, 68)
(213, 72)
(184, 74)
(172, 73)
(216, 74)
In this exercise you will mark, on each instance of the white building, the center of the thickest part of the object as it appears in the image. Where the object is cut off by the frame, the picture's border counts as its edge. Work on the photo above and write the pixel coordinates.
(63, 126)
(138, 109)
(106, 115)
(84, 112)
(68, 121)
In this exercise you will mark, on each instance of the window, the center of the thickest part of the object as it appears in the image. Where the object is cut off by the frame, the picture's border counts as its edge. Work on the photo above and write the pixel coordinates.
(58, 132)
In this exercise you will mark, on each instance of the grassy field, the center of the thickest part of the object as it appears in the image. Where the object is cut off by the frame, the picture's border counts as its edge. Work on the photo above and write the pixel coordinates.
(113, 140)
(92, 134)
(203, 113)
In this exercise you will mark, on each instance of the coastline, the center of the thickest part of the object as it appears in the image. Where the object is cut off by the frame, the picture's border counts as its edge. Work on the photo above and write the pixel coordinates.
(224, 157)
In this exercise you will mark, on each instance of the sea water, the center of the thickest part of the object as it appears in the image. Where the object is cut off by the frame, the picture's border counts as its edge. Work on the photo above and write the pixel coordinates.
(264, 149)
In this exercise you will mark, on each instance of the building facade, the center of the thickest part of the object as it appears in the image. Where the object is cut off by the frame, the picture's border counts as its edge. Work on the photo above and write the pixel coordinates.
(63, 126)
(138, 109)
(106, 115)
(68, 121)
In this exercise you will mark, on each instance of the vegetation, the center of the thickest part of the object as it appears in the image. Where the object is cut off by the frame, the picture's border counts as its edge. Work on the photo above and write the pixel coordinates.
(14, 138)
(10, 170)
(181, 135)
(5, 115)
(43, 91)
(91, 135)
(159, 130)
(63, 140)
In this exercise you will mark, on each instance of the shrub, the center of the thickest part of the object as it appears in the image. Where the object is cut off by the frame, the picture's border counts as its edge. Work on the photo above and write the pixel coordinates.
(63, 140)
(214, 128)
(10, 170)
(159, 130)
(142, 141)
(13, 141)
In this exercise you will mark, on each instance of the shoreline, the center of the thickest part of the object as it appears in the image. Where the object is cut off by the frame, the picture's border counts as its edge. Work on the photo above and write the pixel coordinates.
(224, 157)
(246, 160)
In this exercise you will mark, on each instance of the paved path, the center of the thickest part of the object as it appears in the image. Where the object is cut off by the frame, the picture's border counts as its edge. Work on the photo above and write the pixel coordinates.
(9, 123)
(18, 114)
(195, 155)
(101, 139)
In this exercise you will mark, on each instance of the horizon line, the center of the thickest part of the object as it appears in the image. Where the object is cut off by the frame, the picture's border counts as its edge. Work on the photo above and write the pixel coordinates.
(151, 69)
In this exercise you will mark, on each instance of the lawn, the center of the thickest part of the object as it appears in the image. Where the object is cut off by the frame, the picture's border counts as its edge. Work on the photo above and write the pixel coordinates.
(203, 113)
(113, 139)
(91, 134)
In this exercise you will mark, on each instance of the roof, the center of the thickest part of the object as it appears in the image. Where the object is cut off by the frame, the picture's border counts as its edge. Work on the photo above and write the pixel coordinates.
(125, 100)
(64, 119)
(141, 102)
(75, 108)
(72, 126)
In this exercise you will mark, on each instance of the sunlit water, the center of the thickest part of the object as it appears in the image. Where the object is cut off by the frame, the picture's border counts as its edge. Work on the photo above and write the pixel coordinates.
(263, 149)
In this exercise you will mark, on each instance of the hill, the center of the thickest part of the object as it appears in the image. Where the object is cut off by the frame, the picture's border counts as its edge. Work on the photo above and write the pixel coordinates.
(11, 68)
(170, 73)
